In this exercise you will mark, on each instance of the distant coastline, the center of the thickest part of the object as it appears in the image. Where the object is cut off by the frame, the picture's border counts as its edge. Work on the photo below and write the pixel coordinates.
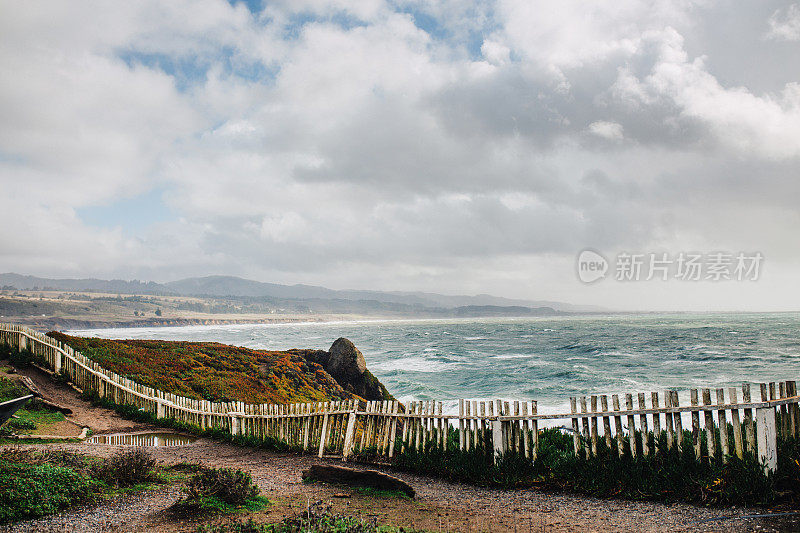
(63, 324)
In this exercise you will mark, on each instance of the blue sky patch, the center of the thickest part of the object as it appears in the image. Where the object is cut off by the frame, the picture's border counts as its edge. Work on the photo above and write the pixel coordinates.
(134, 215)
(193, 70)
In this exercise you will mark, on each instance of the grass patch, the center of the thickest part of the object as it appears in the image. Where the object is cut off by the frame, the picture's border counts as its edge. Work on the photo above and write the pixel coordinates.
(10, 389)
(318, 518)
(382, 493)
(30, 417)
(40, 418)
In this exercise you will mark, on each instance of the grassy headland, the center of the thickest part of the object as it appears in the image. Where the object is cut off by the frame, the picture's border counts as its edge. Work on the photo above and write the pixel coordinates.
(212, 371)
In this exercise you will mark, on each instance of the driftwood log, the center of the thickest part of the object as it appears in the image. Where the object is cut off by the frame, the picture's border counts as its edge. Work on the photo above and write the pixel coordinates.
(358, 478)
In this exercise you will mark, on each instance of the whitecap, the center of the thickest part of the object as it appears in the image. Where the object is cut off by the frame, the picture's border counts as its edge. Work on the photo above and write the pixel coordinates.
(411, 364)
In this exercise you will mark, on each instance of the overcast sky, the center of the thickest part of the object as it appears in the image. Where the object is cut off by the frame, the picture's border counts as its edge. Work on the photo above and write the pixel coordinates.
(454, 147)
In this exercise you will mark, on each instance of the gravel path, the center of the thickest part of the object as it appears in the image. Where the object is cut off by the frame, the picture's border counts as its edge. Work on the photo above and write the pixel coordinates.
(439, 505)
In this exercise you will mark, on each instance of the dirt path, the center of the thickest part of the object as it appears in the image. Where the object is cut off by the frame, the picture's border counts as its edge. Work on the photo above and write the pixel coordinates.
(98, 419)
(439, 506)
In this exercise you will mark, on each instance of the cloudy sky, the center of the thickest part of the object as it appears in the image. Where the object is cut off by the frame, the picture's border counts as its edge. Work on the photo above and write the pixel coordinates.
(448, 146)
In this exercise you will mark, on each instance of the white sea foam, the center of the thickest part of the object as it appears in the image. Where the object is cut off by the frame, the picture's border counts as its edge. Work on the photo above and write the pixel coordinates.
(411, 364)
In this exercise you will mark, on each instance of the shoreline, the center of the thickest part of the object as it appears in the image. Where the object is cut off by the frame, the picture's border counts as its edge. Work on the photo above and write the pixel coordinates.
(67, 324)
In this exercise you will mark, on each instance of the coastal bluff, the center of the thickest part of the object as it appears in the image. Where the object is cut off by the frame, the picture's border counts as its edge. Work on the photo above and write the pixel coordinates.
(223, 373)
(346, 364)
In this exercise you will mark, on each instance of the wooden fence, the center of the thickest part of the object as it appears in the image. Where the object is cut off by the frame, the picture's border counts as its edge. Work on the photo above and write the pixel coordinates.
(345, 427)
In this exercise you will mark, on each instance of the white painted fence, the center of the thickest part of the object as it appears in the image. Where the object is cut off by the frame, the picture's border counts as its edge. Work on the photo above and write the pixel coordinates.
(345, 427)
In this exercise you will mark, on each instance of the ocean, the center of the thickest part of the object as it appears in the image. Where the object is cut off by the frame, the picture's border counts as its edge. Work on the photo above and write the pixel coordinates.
(544, 359)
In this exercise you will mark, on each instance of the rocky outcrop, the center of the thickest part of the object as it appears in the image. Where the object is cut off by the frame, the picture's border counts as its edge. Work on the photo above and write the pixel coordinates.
(346, 364)
(345, 361)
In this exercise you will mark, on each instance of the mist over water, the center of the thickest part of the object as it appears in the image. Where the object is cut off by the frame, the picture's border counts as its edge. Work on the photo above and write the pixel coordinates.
(543, 359)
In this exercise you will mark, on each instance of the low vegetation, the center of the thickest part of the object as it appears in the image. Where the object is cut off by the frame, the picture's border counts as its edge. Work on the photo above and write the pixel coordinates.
(667, 476)
(32, 416)
(212, 371)
(127, 468)
(318, 518)
(220, 490)
(38, 483)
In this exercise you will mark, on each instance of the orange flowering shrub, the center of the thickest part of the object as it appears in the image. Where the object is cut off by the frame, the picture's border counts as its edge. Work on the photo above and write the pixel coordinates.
(212, 371)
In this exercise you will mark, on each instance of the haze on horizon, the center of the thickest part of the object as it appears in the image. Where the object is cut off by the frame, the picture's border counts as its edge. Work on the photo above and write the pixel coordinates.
(454, 147)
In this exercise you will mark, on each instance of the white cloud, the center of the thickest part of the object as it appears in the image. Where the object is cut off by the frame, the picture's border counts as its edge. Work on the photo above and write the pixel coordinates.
(495, 53)
(607, 130)
(784, 24)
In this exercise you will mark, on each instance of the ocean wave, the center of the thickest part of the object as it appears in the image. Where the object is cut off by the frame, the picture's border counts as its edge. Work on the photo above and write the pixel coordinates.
(589, 355)
(411, 364)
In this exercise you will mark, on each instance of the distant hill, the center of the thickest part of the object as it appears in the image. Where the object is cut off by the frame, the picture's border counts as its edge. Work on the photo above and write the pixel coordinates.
(114, 286)
(234, 286)
(231, 286)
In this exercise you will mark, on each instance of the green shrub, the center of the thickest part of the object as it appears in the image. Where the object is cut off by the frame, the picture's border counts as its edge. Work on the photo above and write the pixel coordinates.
(20, 424)
(5, 351)
(127, 468)
(21, 359)
(220, 490)
(28, 491)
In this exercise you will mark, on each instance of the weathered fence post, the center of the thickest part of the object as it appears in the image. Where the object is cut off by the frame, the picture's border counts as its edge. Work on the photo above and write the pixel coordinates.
(461, 440)
(576, 436)
(618, 431)
(678, 421)
(698, 452)
(631, 425)
(767, 438)
(643, 423)
(159, 409)
(750, 437)
(393, 429)
(708, 418)
(497, 433)
(349, 436)
(738, 448)
(723, 427)
(323, 437)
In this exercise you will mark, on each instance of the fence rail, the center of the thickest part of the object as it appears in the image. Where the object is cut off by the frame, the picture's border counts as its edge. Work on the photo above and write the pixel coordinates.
(345, 427)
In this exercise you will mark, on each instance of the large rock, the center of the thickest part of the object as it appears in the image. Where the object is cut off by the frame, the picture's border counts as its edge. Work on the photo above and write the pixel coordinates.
(358, 478)
(345, 361)
(346, 364)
